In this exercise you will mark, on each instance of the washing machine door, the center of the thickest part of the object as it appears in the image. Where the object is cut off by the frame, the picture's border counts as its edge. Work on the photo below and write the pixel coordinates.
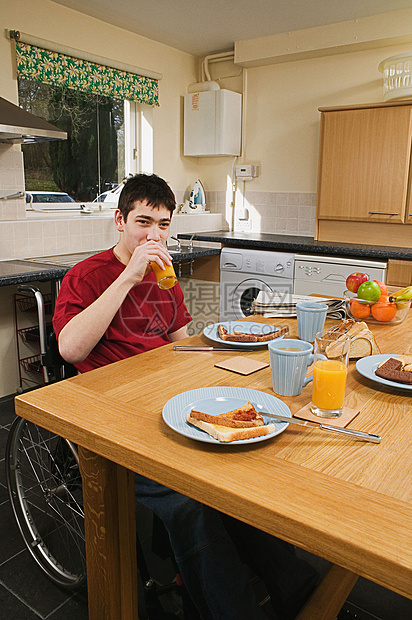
(238, 298)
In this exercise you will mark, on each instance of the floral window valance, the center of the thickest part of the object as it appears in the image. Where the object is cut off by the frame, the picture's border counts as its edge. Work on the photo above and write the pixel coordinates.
(41, 65)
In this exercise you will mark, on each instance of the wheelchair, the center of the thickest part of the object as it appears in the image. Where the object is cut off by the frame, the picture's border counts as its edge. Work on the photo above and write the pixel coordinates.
(45, 491)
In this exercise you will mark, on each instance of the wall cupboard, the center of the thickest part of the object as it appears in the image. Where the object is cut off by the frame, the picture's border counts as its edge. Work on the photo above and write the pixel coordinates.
(364, 163)
(364, 191)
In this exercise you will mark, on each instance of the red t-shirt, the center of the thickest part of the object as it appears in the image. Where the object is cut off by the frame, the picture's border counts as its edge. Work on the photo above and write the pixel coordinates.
(143, 321)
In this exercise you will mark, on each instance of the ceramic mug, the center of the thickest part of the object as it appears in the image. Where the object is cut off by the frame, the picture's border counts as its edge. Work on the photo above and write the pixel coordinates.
(289, 360)
(311, 319)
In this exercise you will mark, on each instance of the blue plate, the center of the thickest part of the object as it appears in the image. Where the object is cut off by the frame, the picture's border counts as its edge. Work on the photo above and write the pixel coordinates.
(258, 329)
(366, 366)
(216, 400)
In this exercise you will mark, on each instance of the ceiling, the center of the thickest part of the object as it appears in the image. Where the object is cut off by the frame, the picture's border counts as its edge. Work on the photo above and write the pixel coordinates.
(202, 27)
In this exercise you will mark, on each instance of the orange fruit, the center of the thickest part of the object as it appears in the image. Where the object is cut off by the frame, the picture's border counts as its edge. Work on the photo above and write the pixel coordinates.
(382, 286)
(359, 310)
(383, 310)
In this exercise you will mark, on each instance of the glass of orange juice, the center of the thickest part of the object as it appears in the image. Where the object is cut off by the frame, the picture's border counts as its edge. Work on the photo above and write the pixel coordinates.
(166, 278)
(330, 371)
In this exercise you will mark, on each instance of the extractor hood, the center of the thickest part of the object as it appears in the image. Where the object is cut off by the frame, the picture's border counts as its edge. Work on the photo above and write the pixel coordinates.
(18, 126)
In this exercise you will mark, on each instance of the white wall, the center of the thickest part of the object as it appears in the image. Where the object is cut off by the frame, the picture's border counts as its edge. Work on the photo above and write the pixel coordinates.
(282, 121)
(281, 100)
(52, 22)
(283, 117)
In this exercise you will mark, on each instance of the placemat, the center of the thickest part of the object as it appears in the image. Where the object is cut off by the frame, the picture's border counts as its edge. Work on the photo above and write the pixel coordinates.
(347, 416)
(242, 365)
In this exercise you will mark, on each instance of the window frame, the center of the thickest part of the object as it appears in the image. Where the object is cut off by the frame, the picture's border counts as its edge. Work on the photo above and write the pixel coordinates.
(138, 142)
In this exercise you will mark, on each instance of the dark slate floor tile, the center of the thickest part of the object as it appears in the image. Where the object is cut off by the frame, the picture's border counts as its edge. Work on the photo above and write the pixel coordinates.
(11, 540)
(22, 576)
(75, 608)
(7, 414)
(13, 609)
(380, 602)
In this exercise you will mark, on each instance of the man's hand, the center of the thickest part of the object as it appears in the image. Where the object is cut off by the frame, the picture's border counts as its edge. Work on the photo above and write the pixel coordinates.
(139, 263)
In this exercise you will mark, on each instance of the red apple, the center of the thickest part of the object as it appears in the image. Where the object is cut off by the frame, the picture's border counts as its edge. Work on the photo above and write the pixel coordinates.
(354, 281)
(382, 286)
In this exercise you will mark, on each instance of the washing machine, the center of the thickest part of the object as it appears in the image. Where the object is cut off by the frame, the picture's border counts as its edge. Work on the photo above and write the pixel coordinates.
(244, 273)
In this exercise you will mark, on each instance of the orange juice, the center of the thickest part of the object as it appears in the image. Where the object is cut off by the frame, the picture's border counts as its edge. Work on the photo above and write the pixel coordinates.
(166, 278)
(329, 382)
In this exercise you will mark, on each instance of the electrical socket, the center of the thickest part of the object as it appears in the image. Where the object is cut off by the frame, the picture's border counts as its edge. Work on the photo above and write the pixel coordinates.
(244, 225)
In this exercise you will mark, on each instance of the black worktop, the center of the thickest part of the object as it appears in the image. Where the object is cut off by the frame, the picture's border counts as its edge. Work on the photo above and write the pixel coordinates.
(303, 245)
(14, 272)
(22, 272)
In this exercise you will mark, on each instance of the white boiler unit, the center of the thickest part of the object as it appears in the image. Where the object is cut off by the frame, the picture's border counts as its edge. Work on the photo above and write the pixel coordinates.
(212, 123)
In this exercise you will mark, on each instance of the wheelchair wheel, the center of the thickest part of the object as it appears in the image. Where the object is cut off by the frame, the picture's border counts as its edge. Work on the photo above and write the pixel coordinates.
(45, 489)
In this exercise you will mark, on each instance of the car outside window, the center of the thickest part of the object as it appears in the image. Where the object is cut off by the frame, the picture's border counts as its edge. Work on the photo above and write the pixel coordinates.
(48, 197)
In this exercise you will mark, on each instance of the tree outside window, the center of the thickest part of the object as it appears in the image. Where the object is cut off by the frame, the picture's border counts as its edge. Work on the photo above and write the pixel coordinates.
(92, 159)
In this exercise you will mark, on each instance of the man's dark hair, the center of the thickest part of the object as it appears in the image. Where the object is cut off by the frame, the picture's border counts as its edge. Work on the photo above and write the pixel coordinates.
(148, 188)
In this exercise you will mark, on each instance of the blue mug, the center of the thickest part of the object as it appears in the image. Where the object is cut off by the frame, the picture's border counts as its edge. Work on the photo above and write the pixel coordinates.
(289, 360)
(311, 319)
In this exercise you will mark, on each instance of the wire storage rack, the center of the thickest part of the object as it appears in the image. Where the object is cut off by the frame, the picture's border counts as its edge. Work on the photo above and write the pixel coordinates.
(28, 337)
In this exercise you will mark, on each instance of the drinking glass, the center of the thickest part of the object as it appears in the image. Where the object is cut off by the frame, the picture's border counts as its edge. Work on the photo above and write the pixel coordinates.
(329, 375)
(166, 278)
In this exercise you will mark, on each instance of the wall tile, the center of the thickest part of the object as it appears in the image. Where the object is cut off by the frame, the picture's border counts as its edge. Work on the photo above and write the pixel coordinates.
(51, 245)
(8, 249)
(282, 212)
(293, 199)
(61, 228)
(281, 198)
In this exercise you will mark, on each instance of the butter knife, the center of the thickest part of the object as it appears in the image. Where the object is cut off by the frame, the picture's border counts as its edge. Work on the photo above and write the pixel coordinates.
(325, 427)
(179, 347)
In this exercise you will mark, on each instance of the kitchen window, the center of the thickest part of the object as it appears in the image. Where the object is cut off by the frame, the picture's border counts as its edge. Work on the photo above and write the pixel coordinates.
(107, 140)
(106, 112)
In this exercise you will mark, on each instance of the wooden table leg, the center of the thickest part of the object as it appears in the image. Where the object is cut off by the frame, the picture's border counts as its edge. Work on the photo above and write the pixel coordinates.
(109, 507)
(330, 596)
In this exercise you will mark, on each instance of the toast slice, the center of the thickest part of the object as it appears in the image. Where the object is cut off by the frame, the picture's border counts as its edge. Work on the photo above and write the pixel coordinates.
(243, 417)
(239, 336)
(226, 434)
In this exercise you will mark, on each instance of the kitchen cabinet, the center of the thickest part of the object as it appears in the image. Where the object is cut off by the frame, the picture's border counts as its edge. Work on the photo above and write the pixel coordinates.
(364, 163)
(399, 272)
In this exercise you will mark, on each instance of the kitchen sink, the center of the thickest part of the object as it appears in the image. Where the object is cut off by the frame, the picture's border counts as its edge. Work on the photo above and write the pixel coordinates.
(62, 260)
(184, 249)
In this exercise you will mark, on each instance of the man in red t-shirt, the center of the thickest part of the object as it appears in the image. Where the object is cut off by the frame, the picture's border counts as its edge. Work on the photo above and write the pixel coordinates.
(109, 307)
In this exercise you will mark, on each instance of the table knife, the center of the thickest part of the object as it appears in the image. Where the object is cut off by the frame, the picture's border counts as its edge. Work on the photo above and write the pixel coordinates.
(325, 427)
(179, 347)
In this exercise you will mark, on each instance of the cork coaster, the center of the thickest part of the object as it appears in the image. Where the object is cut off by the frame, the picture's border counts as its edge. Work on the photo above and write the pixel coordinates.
(241, 365)
(347, 416)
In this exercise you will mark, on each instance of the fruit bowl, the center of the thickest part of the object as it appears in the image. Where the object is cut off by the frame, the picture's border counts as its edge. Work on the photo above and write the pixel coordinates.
(361, 310)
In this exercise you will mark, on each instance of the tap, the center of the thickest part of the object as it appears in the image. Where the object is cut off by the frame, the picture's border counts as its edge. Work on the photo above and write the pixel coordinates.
(179, 245)
(8, 196)
(190, 246)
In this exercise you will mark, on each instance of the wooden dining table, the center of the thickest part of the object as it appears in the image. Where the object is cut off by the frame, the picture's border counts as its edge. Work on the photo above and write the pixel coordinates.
(345, 500)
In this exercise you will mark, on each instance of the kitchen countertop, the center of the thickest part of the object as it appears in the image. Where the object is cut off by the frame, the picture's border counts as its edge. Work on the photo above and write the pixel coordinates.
(42, 269)
(304, 245)
(47, 268)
